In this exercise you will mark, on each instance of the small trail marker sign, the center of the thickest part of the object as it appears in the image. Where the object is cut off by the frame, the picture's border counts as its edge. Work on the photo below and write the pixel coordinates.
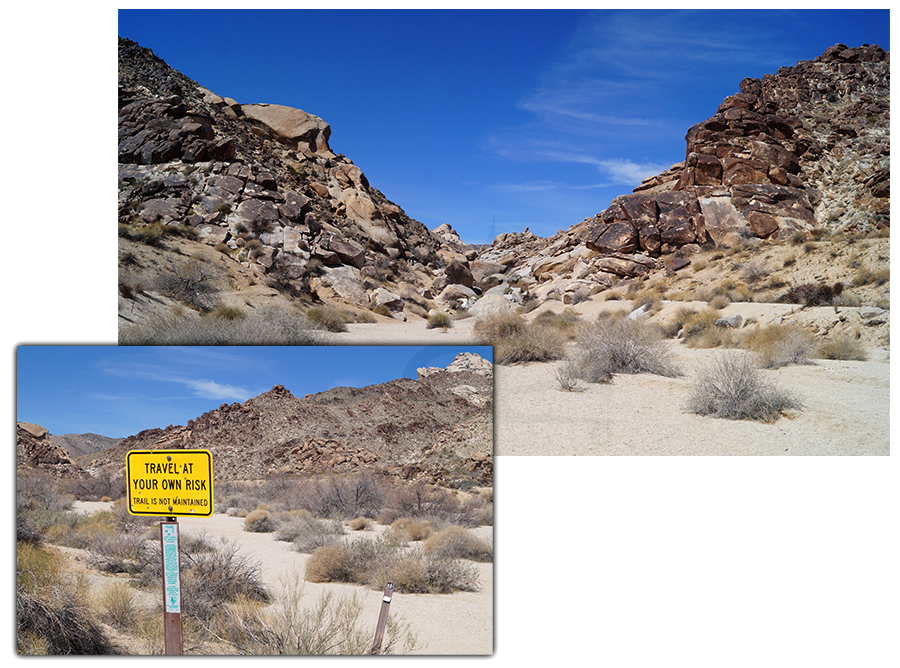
(170, 482)
(172, 632)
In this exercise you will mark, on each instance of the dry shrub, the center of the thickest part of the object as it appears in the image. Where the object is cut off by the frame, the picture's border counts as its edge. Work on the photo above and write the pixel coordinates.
(377, 562)
(259, 521)
(328, 318)
(719, 302)
(456, 543)
(331, 563)
(776, 346)
(210, 579)
(407, 529)
(732, 387)
(516, 340)
(620, 345)
(360, 524)
(267, 326)
(308, 533)
(841, 347)
(52, 616)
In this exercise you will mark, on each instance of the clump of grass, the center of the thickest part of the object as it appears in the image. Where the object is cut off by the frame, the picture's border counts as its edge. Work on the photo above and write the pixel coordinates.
(259, 521)
(405, 529)
(328, 318)
(439, 320)
(361, 524)
(732, 387)
(867, 276)
(776, 346)
(719, 302)
(841, 347)
(228, 313)
(52, 616)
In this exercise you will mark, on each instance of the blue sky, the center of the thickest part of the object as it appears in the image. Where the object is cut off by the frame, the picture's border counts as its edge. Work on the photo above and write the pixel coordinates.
(118, 391)
(497, 120)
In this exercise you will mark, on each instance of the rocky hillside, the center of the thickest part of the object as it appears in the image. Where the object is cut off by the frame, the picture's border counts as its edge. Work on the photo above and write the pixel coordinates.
(260, 184)
(36, 449)
(250, 200)
(805, 151)
(438, 428)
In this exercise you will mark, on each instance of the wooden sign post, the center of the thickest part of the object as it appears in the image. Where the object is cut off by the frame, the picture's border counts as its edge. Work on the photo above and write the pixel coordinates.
(170, 483)
(169, 540)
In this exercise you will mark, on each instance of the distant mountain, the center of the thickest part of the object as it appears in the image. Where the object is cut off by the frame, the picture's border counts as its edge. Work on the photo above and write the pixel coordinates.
(83, 444)
(437, 428)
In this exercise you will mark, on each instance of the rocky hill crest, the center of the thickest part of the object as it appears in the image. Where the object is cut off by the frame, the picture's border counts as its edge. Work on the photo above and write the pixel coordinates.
(438, 429)
(36, 449)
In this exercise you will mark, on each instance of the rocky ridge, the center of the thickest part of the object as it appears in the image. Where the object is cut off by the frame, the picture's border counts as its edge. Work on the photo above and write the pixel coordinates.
(438, 429)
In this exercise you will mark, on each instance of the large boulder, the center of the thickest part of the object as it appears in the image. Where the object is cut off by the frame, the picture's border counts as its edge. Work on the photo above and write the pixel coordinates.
(293, 127)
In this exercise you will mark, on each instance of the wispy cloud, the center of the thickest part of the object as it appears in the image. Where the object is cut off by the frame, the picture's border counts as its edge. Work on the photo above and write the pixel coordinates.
(623, 84)
(160, 366)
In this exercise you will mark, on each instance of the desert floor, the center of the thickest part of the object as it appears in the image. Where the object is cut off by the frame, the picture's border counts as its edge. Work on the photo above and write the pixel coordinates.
(448, 624)
(846, 402)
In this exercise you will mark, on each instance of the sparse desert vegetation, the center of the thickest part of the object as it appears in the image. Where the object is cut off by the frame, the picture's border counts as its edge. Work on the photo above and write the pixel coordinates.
(109, 604)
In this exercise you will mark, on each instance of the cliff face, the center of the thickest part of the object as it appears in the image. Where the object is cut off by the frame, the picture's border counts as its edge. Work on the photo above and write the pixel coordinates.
(438, 429)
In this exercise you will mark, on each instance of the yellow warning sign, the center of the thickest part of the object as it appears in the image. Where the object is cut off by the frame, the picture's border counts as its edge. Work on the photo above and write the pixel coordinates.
(169, 482)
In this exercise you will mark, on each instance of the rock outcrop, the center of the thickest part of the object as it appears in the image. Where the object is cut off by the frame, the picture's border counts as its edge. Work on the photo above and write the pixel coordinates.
(797, 152)
(806, 148)
(35, 449)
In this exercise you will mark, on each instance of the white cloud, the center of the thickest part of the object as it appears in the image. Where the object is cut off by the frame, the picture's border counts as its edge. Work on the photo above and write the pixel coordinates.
(209, 389)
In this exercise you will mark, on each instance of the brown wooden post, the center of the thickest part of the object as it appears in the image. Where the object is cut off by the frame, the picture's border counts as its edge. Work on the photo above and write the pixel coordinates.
(382, 617)
(170, 543)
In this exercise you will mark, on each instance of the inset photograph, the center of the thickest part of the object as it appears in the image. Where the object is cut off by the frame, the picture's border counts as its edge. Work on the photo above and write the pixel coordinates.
(254, 500)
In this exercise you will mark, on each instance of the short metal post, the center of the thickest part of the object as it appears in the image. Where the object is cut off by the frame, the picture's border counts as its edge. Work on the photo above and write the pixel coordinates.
(382, 617)
(170, 542)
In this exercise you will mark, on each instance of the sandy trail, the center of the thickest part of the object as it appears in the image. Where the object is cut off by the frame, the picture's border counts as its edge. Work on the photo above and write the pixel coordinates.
(449, 624)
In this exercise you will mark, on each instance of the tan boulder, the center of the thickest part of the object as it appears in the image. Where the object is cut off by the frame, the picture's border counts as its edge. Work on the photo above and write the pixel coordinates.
(291, 126)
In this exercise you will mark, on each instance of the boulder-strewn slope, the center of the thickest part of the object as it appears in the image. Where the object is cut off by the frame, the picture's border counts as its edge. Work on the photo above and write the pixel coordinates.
(83, 444)
(438, 428)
